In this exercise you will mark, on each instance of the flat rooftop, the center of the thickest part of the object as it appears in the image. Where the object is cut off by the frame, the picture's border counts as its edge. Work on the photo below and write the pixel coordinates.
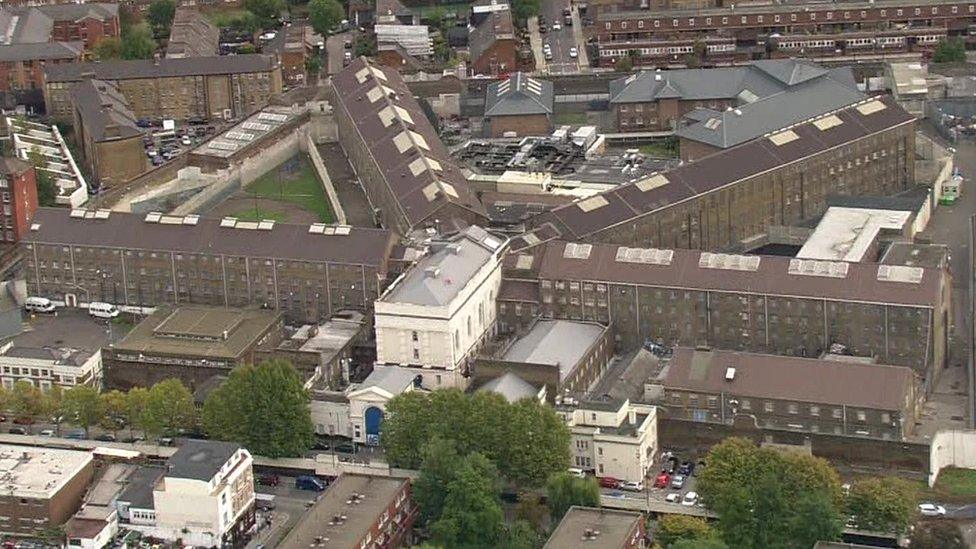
(603, 528)
(38, 473)
(846, 234)
(356, 501)
(555, 342)
(437, 278)
(243, 134)
(198, 330)
(916, 254)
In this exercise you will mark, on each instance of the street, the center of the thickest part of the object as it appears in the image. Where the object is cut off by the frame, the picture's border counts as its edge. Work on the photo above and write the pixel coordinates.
(290, 504)
(560, 40)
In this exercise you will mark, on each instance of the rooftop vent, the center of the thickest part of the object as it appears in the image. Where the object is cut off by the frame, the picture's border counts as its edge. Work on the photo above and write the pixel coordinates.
(590, 534)
(900, 273)
(812, 267)
(577, 251)
(729, 374)
(729, 262)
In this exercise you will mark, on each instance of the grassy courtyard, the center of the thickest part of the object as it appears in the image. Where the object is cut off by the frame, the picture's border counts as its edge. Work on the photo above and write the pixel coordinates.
(292, 184)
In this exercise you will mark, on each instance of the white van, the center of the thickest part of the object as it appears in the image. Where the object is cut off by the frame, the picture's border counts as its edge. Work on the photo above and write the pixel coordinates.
(39, 305)
(102, 310)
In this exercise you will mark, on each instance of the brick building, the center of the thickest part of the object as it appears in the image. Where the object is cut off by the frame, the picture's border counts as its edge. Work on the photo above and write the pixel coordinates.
(22, 66)
(308, 272)
(105, 129)
(18, 193)
(358, 511)
(43, 487)
(206, 87)
(407, 172)
(604, 528)
(767, 304)
(519, 104)
(731, 197)
(492, 43)
(192, 35)
(789, 393)
(86, 22)
(192, 343)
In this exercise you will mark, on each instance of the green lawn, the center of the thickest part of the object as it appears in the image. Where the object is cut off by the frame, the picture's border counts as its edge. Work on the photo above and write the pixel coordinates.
(459, 8)
(258, 214)
(956, 483)
(301, 187)
(663, 149)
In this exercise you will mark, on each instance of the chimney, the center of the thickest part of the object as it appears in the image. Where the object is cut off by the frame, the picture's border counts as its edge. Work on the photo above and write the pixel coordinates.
(632, 416)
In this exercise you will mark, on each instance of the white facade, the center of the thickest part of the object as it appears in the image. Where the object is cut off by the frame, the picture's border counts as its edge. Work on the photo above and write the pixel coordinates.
(358, 413)
(435, 332)
(618, 442)
(47, 367)
(331, 417)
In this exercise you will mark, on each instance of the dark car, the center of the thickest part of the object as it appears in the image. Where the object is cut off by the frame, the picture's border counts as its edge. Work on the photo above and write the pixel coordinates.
(672, 466)
(269, 480)
(143, 123)
(345, 448)
(105, 437)
(322, 445)
(686, 468)
(133, 440)
(17, 431)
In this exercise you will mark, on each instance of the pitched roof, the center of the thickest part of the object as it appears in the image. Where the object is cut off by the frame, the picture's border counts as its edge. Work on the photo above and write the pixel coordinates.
(105, 113)
(42, 52)
(496, 25)
(657, 192)
(163, 68)
(520, 94)
(200, 459)
(874, 386)
(77, 12)
(510, 386)
(793, 105)
(561, 343)
(416, 166)
(392, 379)
(192, 35)
(24, 26)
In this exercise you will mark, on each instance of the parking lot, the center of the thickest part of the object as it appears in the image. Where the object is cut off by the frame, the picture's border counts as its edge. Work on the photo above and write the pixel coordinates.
(674, 491)
(289, 503)
(163, 145)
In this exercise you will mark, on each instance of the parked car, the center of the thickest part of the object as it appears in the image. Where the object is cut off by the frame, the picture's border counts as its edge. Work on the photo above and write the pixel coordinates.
(308, 482)
(662, 480)
(632, 486)
(690, 499)
(687, 468)
(268, 480)
(556, 26)
(322, 445)
(926, 509)
(672, 464)
(47, 433)
(157, 161)
(99, 309)
(17, 431)
(576, 472)
(105, 437)
(39, 305)
(573, 52)
(164, 441)
(673, 497)
(133, 440)
(186, 140)
(609, 482)
(677, 482)
(345, 448)
(143, 123)
(75, 434)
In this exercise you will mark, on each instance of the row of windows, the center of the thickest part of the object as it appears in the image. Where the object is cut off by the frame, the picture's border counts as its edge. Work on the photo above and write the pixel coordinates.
(792, 408)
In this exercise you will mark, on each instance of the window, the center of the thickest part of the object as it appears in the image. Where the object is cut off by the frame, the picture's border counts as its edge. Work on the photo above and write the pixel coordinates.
(414, 336)
(599, 451)
(746, 405)
(837, 413)
(416, 354)
(862, 416)
(885, 417)
(768, 407)
(815, 410)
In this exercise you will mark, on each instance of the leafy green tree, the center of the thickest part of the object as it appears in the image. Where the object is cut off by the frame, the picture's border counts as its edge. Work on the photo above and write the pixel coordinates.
(364, 46)
(136, 405)
(27, 401)
(950, 50)
(313, 65)
(521, 535)
(83, 407)
(937, 534)
(883, 504)
(523, 9)
(532, 511)
(538, 443)
(160, 16)
(565, 490)
(472, 516)
(5, 399)
(265, 407)
(137, 43)
(264, 10)
(438, 468)
(815, 517)
(710, 543)
(672, 528)
(169, 408)
(435, 17)
(108, 48)
(47, 191)
(115, 407)
(325, 15)
(624, 64)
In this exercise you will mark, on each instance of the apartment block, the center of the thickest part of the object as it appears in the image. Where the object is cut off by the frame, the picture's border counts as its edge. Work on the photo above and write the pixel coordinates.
(604, 528)
(178, 88)
(22, 66)
(18, 193)
(410, 178)
(897, 314)
(731, 197)
(492, 42)
(43, 487)
(611, 438)
(49, 366)
(307, 272)
(192, 35)
(109, 139)
(789, 393)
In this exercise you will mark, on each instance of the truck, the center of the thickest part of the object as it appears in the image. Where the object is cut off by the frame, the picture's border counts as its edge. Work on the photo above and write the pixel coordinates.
(952, 189)
(308, 482)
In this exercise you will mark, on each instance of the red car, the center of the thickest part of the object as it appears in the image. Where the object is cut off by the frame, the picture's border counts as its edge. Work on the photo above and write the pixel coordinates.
(609, 482)
(268, 480)
(662, 480)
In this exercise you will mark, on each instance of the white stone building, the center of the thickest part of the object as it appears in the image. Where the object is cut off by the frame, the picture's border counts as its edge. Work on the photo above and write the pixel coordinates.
(48, 366)
(435, 316)
(611, 438)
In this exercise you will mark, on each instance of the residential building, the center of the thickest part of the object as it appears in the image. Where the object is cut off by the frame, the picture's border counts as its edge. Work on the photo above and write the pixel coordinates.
(18, 192)
(604, 528)
(519, 104)
(441, 311)
(293, 54)
(611, 438)
(493, 44)
(192, 35)
(43, 487)
(191, 343)
(410, 178)
(87, 23)
(561, 355)
(97, 522)
(22, 67)
(49, 366)
(181, 88)
(29, 137)
(307, 272)
(358, 511)
(767, 304)
(105, 129)
(789, 393)
(729, 198)
(203, 496)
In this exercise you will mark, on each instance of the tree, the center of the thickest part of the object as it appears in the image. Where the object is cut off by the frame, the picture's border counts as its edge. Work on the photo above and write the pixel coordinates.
(565, 490)
(169, 408)
(435, 17)
(264, 10)
(114, 410)
(265, 407)
(438, 469)
(950, 50)
(532, 511)
(108, 48)
(673, 528)
(937, 534)
(521, 535)
(472, 516)
(137, 43)
(816, 517)
(47, 191)
(136, 404)
(313, 65)
(711, 543)
(523, 9)
(83, 407)
(324, 15)
(160, 16)
(27, 401)
(624, 64)
(883, 504)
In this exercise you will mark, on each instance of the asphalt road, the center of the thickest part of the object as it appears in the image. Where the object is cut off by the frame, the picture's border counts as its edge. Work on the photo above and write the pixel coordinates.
(559, 40)
(290, 504)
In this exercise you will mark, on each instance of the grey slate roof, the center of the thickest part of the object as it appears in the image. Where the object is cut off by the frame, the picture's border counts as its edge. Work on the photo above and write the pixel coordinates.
(200, 459)
(519, 95)
(45, 51)
(497, 25)
(392, 379)
(755, 80)
(104, 111)
(510, 386)
(164, 68)
(77, 12)
(791, 106)
(192, 35)
(138, 493)
(555, 342)
(26, 27)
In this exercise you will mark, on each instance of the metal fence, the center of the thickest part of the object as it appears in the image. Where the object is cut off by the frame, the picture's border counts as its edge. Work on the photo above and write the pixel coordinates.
(953, 118)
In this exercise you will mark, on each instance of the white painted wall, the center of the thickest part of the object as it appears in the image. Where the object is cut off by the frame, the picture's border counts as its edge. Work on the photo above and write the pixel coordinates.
(331, 418)
(951, 449)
